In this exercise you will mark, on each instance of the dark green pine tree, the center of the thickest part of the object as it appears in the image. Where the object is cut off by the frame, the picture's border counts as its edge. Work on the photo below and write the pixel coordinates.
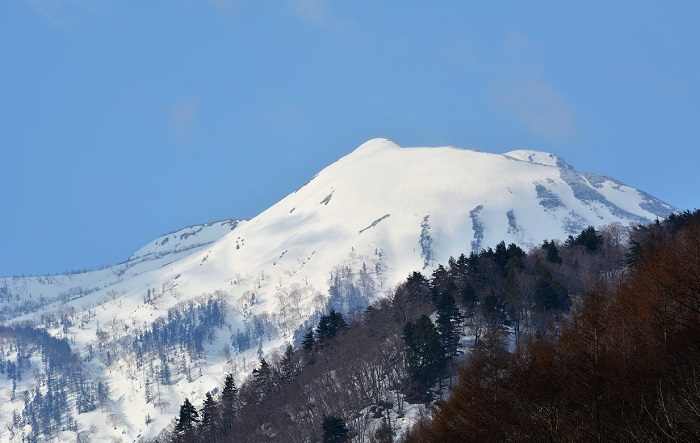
(329, 325)
(552, 251)
(442, 282)
(334, 430)
(549, 294)
(288, 368)
(474, 265)
(263, 379)
(461, 266)
(208, 409)
(229, 394)
(493, 309)
(425, 354)
(418, 286)
(448, 322)
(187, 418)
(500, 256)
(467, 298)
(309, 340)
(588, 238)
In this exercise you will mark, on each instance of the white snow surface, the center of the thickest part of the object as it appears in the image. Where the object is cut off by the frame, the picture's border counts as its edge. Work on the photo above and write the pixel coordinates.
(393, 209)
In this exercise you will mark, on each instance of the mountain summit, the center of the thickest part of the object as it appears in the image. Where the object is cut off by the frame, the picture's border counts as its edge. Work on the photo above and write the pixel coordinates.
(237, 290)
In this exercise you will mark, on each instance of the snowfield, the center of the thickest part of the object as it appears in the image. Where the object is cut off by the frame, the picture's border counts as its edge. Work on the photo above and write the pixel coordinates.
(243, 289)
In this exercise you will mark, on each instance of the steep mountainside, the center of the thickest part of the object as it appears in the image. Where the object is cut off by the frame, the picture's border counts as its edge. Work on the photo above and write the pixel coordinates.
(210, 299)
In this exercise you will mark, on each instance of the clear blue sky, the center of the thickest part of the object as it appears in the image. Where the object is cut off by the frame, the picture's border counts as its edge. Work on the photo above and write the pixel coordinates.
(124, 120)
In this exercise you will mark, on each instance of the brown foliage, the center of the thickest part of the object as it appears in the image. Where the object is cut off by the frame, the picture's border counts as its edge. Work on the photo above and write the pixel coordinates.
(625, 366)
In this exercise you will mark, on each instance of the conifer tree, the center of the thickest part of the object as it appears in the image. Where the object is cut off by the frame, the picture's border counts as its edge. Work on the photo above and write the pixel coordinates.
(418, 286)
(549, 294)
(425, 354)
(288, 368)
(263, 379)
(208, 409)
(309, 340)
(588, 238)
(552, 251)
(500, 256)
(329, 325)
(334, 430)
(229, 394)
(187, 418)
(448, 322)
(441, 283)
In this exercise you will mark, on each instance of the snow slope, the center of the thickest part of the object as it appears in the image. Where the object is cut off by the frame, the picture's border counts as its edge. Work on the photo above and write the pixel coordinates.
(366, 222)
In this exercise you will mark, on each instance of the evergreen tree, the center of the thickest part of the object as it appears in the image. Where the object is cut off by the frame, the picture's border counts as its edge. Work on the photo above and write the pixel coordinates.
(230, 392)
(334, 430)
(493, 309)
(187, 418)
(448, 322)
(515, 251)
(500, 256)
(263, 380)
(461, 265)
(473, 263)
(588, 238)
(309, 340)
(288, 368)
(425, 354)
(467, 298)
(418, 286)
(552, 251)
(229, 402)
(441, 283)
(549, 294)
(208, 409)
(329, 325)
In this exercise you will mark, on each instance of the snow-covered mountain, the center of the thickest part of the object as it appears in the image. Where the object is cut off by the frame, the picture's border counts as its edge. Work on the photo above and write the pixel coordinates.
(235, 290)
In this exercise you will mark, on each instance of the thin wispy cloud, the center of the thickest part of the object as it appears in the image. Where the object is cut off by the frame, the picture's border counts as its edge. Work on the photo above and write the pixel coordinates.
(226, 7)
(463, 52)
(318, 13)
(536, 104)
(524, 93)
(182, 115)
(65, 13)
(520, 45)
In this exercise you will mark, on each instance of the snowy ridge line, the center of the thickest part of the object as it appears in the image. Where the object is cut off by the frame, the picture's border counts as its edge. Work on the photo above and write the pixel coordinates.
(473, 200)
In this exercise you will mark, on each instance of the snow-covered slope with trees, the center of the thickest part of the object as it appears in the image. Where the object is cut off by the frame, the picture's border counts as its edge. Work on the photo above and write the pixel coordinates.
(195, 304)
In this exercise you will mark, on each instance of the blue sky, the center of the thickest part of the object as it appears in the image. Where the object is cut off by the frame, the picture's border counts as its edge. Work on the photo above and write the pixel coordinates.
(124, 120)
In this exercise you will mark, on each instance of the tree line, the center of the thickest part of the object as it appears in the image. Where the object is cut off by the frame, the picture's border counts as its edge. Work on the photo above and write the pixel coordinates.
(354, 374)
(621, 366)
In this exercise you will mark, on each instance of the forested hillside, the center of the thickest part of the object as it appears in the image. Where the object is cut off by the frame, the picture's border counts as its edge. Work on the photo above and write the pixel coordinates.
(593, 339)
(194, 305)
(623, 366)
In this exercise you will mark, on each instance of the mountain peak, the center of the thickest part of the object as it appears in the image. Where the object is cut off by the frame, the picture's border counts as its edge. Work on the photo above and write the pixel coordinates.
(376, 145)
(350, 234)
(538, 157)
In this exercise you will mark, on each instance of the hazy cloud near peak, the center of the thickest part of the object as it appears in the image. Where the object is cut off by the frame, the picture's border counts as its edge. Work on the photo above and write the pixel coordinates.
(226, 7)
(523, 92)
(463, 52)
(65, 13)
(318, 12)
(182, 114)
(520, 44)
(536, 104)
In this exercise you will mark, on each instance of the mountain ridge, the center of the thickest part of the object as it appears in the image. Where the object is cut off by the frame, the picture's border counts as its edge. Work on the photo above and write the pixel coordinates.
(358, 227)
